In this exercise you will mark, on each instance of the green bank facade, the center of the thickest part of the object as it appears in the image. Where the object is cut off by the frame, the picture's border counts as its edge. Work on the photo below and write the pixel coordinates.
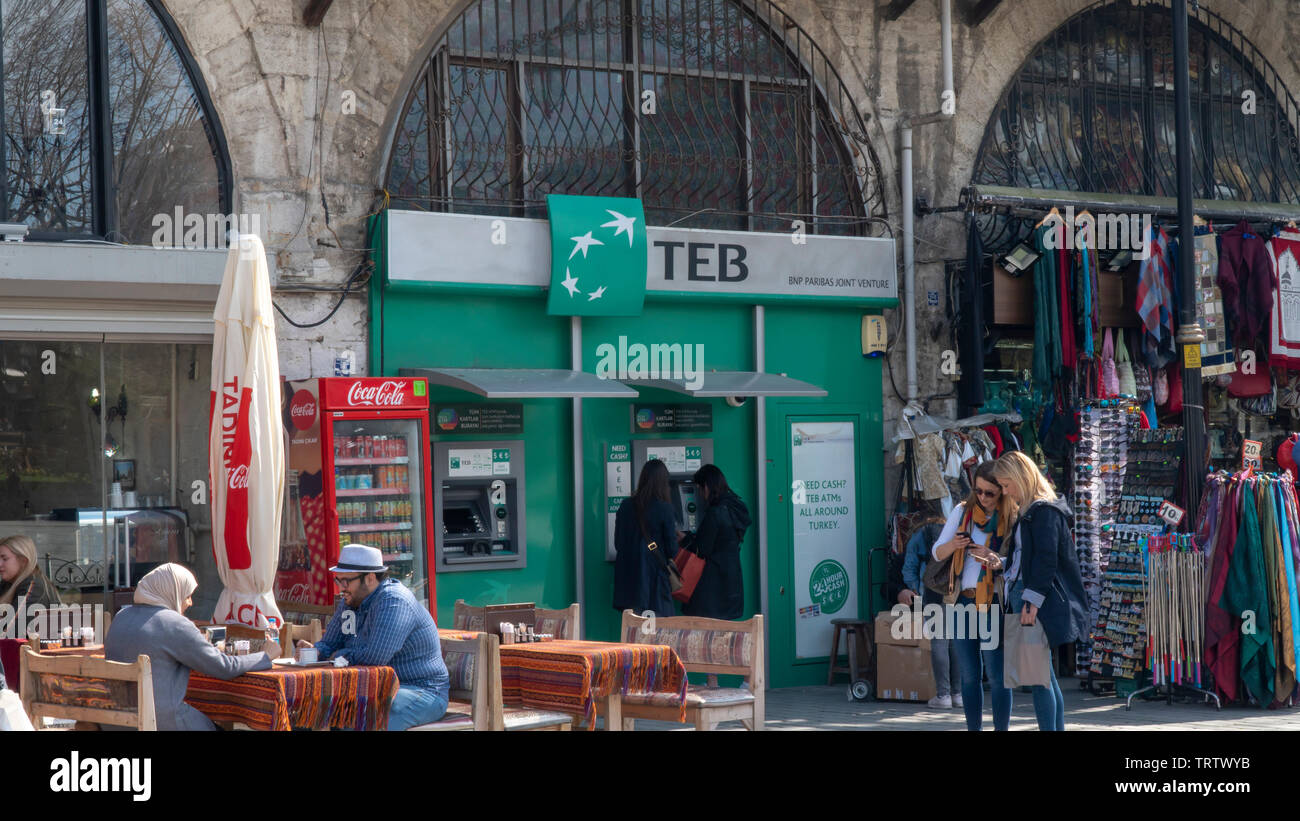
(463, 301)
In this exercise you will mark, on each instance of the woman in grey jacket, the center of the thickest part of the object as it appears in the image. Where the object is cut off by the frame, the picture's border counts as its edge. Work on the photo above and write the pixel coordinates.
(155, 626)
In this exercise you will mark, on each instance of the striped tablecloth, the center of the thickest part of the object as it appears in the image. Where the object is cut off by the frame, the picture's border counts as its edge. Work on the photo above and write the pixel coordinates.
(570, 676)
(317, 698)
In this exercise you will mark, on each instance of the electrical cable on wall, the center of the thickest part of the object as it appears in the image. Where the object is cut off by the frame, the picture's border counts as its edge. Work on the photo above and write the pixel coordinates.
(352, 280)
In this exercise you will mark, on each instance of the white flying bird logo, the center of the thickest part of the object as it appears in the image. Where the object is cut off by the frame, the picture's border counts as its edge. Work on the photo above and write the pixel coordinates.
(582, 243)
(621, 223)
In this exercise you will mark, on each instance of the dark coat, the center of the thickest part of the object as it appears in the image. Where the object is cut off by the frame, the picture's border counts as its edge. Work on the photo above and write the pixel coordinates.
(1049, 566)
(36, 589)
(640, 580)
(720, 593)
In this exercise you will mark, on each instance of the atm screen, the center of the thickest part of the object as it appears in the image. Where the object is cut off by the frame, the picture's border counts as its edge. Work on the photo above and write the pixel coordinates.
(459, 521)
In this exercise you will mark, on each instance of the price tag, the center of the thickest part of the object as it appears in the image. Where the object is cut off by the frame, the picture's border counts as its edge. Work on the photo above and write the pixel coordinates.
(1192, 355)
(1172, 513)
(1250, 454)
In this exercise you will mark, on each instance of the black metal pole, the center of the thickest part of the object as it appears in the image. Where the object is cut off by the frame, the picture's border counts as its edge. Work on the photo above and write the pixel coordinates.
(1190, 334)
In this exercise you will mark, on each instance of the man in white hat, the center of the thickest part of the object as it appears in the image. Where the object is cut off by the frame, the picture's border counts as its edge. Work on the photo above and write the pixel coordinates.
(379, 622)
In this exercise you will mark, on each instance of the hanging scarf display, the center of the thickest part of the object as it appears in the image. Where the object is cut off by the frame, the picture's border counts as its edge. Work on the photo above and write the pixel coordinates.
(1155, 301)
(1174, 626)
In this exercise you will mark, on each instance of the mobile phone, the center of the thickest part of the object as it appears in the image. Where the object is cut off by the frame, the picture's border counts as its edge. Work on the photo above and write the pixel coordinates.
(965, 534)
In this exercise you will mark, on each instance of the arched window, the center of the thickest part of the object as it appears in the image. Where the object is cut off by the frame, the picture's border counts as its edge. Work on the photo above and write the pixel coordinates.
(1092, 109)
(712, 106)
(105, 121)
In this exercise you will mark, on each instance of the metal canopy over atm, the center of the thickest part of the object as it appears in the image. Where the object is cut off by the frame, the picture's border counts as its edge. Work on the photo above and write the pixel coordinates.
(526, 383)
(738, 383)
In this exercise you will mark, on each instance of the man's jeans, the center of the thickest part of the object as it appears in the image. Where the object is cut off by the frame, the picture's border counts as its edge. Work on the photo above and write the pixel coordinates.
(972, 673)
(413, 706)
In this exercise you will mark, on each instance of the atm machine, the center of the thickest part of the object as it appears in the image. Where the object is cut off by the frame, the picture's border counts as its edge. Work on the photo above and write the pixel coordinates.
(478, 504)
(683, 457)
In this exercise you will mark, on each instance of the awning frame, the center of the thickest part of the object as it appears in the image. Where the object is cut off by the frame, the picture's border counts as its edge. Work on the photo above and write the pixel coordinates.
(493, 383)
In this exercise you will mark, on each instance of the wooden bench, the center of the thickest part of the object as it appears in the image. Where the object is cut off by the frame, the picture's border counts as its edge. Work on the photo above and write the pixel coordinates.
(710, 646)
(563, 624)
(88, 689)
(474, 666)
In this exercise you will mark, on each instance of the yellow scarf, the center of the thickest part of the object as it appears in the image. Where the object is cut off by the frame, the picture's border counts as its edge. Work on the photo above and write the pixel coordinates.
(987, 586)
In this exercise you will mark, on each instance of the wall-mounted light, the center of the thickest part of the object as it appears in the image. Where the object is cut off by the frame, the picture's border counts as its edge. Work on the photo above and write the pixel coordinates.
(1019, 260)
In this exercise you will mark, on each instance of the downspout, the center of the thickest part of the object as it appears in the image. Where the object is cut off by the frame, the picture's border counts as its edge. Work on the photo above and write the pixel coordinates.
(947, 110)
(760, 450)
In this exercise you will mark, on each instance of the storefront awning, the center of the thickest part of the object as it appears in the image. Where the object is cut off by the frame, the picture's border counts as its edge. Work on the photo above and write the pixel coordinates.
(524, 383)
(1039, 200)
(737, 383)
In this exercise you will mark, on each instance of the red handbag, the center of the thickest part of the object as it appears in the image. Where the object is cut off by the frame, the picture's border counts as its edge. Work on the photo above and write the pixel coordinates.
(690, 567)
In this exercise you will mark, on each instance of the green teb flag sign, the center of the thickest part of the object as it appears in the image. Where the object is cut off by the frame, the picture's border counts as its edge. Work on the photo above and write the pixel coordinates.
(598, 256)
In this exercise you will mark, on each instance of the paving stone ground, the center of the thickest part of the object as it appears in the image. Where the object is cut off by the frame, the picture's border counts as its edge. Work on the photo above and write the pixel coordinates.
(828, 708)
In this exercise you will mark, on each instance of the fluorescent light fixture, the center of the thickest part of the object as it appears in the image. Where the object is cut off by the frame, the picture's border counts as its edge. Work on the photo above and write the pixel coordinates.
(1120, 261)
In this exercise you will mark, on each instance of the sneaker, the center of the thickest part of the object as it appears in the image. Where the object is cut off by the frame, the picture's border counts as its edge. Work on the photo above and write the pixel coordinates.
(957, 702)
(944, 702)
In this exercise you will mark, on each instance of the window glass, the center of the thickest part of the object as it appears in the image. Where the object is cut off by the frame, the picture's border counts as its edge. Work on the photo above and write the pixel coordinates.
(162, 157)
(47, 174)
(574, 128)
(694, 153)
(409, 173)
(781, 173)
(481, 122)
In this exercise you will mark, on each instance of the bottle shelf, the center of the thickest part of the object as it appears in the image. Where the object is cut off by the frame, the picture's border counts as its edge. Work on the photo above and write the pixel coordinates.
(374, 528)
(372, 491)
(394, 460)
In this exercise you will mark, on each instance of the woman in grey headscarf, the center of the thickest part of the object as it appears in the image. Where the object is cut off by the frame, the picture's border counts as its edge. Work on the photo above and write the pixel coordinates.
(156, 627)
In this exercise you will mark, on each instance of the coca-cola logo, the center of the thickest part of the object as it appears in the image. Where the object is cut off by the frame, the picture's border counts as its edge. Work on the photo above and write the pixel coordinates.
(385, 393)
(302, 410)
(239, 478)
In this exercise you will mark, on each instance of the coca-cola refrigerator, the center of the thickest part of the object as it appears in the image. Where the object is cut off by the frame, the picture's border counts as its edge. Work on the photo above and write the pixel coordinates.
(358, 463)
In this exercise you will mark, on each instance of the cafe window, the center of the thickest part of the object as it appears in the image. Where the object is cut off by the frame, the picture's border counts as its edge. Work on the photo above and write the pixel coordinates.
(100, 443)
(105, 121)
(1092, 109)
(716, 113)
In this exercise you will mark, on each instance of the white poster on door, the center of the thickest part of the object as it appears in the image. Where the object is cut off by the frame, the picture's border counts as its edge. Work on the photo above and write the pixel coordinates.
(823, 498)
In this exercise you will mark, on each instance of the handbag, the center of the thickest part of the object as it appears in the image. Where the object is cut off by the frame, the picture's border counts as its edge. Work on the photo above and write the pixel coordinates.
(1026, 658)
(1109, 375)
(1124, 367)
(674, 577)
(689, 568)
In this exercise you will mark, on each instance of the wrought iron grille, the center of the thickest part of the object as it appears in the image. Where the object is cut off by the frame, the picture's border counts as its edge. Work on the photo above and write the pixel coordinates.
(1092, 109)
(716, 113)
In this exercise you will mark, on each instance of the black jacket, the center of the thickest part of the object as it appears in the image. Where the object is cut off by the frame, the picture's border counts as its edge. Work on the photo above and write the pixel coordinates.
(1049, 568)
(720, 593)
(640, 580)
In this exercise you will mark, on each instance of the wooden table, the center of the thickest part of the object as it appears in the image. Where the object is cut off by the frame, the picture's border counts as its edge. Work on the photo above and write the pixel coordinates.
(285, 697)
(571, 676)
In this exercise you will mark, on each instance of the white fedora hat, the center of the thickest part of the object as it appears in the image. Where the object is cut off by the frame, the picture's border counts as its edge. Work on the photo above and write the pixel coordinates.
(359, 558)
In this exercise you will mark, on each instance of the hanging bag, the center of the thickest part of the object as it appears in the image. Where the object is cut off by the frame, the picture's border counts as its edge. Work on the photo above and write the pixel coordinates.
(942, 575)
(1160, 387)
(1124, 368)
(1026, 658)
(1109, 375)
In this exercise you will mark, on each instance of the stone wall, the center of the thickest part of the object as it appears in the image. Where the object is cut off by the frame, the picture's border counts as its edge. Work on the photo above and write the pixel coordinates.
(279, 88)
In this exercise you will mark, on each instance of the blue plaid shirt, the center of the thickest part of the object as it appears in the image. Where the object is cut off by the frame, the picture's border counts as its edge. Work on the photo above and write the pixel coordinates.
(392, 629)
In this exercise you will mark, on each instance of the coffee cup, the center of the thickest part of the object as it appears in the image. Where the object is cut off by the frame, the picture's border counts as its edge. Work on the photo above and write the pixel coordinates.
(308, 655)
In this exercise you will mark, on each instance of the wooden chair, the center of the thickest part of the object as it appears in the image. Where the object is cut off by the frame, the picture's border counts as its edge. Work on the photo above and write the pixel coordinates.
(300, 613)
(466, 617)
(290, 633)
(469, 662)
(563, 624)
(87, 689)
(726, 648)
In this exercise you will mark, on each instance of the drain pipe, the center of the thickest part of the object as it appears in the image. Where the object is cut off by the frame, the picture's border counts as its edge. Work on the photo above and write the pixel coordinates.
(947, 110)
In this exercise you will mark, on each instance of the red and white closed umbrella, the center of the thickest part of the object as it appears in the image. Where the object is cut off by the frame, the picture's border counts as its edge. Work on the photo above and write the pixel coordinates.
(245, 440)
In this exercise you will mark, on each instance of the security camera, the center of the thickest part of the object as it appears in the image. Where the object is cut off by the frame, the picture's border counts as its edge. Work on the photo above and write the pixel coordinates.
(737, 401)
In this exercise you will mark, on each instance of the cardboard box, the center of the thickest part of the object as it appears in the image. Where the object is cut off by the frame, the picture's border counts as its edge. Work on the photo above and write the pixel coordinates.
(912, 634)
(903, 673)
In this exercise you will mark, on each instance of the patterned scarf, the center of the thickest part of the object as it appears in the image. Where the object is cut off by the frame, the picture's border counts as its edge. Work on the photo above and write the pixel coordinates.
(996, 530)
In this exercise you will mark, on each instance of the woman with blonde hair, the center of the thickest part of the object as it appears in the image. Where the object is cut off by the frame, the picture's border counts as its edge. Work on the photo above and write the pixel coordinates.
(21, 577)
(1043, 579)
(976, 532)
(155, 626)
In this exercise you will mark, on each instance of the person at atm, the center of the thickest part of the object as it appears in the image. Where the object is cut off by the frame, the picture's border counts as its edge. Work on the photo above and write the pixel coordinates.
(720, 592)
(387, 627)
(645, 539)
